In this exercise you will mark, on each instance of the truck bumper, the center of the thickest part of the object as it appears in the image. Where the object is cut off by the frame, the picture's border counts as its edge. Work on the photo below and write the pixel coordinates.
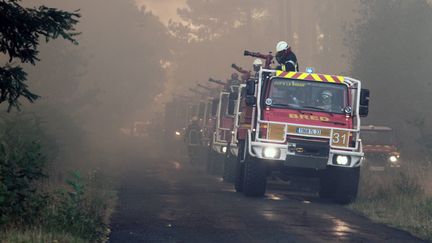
(297, 159)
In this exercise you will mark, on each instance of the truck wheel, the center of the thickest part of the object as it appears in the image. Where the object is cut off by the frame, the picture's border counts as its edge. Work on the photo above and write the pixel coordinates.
(210, 162)
(229, 168)
(255, 177)
(346, 186)
(327, 184)
(239, 167)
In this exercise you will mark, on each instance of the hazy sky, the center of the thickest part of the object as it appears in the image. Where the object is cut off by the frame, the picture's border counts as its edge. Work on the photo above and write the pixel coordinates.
(165, 9)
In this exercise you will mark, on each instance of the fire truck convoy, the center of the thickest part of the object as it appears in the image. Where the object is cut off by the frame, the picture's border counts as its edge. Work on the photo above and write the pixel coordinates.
(297, 123)
(291, 123)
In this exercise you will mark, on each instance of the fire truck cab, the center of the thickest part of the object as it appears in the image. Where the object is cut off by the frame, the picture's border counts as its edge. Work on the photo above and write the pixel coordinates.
(225, 118)
(380, 148)
(302, 124)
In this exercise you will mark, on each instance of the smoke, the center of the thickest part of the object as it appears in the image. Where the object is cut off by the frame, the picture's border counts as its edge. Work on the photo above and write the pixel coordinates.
(109, 81)
(133, 57)
(392, 55)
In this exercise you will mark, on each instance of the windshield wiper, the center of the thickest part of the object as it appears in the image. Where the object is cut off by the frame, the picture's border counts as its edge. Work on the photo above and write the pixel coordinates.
(288, 105)
(335, 122)
(313, 107)
(284, 105)
(317, 109)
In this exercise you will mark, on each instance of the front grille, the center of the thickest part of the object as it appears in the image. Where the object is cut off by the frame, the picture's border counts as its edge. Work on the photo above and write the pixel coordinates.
(377, 158)
(310, 147)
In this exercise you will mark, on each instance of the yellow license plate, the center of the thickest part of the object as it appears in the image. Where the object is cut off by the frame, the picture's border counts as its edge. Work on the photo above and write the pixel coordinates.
(340, 138)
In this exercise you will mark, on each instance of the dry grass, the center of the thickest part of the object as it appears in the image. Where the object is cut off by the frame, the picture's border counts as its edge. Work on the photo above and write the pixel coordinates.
(399, 199)
(37, 235)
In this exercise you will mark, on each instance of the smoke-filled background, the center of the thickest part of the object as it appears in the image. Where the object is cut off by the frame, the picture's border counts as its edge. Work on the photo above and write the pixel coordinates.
(65, 158)
(134, 56)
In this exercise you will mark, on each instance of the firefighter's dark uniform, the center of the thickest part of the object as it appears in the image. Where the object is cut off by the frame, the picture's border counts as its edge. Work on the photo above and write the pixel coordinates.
(288, 63)
(193, 134)
(193, 141)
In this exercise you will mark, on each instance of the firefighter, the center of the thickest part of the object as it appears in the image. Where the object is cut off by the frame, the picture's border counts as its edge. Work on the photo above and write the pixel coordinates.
(233, 83)
(193, 140)
(325, 100)
(234, 79)
(257, 64)
(286, 58)
(193, 131)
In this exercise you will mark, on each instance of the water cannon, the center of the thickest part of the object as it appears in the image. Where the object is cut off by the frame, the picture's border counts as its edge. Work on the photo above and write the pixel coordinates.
(205, 87)
(245, 73)
(268, 58)
(217, 81)
(197, 92)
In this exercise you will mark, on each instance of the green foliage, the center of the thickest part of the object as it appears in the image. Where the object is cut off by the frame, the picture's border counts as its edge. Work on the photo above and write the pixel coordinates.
(79, 209)
(12, 85)
(37, 235)
(396, 199)
(21, 166)
(20, 32)
(405, 185)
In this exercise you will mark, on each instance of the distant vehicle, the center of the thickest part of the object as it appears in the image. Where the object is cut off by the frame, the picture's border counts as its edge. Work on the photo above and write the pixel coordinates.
(380, 148)
(140, 129)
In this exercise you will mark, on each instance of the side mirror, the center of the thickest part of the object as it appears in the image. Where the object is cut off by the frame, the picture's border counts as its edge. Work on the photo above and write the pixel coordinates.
(364, 103)
(250, 100)
(231, 107)
(214, 108)
(250, 87)
(233, 96)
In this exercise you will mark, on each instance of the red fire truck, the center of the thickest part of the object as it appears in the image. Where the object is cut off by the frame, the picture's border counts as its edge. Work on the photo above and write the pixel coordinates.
(224, 122)
(234, 108)
(304, 124)
(380, 148)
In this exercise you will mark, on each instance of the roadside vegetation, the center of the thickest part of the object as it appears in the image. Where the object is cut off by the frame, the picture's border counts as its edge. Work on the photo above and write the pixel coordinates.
(37, 208)
(383, 34)
(398, 198)
(43, 196)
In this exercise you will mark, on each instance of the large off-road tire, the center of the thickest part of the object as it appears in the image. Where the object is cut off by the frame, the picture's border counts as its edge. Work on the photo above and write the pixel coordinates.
(210, 162)
(229, 168)
(255, 176)
(239, 167)
(347, 181)
(327, 184)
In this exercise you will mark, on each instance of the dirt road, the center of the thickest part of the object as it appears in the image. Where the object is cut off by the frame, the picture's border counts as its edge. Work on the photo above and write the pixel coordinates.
(164, 201)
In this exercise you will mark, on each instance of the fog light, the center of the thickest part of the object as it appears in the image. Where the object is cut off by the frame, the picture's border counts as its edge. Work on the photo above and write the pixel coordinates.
(177, 133)
(393, 159)
(270, 152)
(224, 149)
(342, 160)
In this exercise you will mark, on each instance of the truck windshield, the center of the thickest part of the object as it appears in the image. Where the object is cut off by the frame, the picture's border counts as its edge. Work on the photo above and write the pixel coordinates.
(378, 137)
(307, 95)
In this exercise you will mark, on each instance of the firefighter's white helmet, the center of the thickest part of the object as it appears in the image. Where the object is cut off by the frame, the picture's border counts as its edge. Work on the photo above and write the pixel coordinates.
(282, 45)
(326, 97)
(257, 62)
(326, 93)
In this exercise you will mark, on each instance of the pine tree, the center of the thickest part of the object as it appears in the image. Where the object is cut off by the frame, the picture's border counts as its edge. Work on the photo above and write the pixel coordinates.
(21, 30)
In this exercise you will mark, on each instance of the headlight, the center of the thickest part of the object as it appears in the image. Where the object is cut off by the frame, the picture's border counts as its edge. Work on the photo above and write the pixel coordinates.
(224, 149)
(342, 160)
(393, 159)
(271, 152)
(177, 133)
